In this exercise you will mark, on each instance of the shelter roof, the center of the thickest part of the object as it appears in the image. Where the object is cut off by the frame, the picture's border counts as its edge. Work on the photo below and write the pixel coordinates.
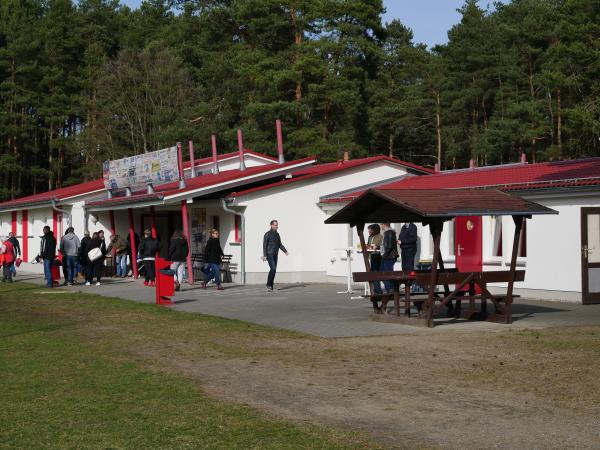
(329, 168)
(510, 177)
(423, 205)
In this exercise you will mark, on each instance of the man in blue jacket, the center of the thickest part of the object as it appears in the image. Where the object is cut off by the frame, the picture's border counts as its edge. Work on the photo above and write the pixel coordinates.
(271, 246)
(408, 246)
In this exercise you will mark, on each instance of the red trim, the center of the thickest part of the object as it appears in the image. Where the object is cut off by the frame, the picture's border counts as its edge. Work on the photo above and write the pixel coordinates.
(55, 223)
(134, 265)
(186, 233)
(14, 222)
(25, 233)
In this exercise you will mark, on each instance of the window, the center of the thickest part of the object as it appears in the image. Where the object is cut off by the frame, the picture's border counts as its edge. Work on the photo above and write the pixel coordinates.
(496, 236)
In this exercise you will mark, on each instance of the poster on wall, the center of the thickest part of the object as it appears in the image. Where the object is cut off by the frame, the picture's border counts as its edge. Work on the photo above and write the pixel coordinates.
(198, 230)
(137, 171)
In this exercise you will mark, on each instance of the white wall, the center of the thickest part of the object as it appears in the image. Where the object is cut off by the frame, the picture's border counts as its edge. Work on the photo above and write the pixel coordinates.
(309, 241)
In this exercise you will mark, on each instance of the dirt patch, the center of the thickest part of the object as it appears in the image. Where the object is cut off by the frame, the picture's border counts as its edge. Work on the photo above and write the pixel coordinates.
(527, 389)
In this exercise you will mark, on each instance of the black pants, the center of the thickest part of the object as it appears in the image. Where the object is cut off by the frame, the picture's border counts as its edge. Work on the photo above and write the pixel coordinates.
(408, 258)
(272, 259)
(6, 272)
(94, 269)
(150, 269)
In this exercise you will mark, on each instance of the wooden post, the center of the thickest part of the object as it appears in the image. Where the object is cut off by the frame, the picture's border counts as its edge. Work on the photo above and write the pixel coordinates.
(134, 266)
(360, 228)
(513, 265)
(186, 232)
(436, 227)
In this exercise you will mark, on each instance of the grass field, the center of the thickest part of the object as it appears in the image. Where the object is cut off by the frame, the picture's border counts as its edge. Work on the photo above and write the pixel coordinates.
(83, 371)
(65, 388)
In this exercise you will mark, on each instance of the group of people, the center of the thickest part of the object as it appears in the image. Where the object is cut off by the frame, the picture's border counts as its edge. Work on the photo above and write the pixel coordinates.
(10, 257)
(384, 251)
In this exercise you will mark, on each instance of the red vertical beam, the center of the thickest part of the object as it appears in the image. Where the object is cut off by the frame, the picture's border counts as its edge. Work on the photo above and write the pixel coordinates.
(134, 265)
(14, 222)
(279, 141)
(55, 223)
(153, 222)
(113, 252)
(240, 140)
(25, 233)
(186, 232)
(213, 140)
(192, 159)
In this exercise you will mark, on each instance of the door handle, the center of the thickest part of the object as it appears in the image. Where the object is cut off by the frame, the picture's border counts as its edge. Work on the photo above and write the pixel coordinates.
(584, 251)
(459, 248)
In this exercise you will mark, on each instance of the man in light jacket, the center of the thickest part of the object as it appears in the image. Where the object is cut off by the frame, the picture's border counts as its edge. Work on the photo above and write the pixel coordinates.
(69, 247)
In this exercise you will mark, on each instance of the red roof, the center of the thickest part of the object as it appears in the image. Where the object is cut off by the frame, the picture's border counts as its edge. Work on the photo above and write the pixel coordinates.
(328, 168)
(511, 177)
(97, 185)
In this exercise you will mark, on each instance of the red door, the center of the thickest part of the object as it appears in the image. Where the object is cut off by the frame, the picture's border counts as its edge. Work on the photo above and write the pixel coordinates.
(469, 253)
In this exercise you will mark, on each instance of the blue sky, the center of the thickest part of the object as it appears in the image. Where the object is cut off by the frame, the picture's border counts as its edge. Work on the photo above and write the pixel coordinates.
(430, 20)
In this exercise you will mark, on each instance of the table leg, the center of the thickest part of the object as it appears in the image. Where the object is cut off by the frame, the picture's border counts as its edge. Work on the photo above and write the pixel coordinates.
(397, 297)
(407, 299)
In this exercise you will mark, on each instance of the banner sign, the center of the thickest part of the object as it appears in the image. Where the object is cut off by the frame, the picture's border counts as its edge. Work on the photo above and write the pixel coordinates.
(137, 171)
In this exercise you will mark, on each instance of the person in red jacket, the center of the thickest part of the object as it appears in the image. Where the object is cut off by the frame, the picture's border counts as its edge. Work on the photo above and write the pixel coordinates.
(8, 251)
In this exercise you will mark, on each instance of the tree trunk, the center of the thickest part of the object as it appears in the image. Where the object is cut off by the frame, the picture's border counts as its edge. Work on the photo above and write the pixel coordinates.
(50, 159)
(438, 130)
(298, 35)
(391, 144)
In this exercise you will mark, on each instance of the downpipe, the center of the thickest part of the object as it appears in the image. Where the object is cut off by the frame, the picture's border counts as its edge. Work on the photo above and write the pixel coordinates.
(63, 212)
(243, 233)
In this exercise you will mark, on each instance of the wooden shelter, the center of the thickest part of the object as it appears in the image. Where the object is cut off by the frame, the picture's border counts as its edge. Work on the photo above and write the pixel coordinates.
(433, 207)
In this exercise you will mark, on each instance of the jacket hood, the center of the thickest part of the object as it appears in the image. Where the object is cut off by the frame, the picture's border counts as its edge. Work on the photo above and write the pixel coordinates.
(70, 236)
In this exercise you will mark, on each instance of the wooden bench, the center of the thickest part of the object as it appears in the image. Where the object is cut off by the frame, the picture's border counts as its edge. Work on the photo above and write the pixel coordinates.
(225, 267)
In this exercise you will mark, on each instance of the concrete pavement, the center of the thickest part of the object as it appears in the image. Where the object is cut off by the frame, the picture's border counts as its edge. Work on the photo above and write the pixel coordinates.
(318, 310)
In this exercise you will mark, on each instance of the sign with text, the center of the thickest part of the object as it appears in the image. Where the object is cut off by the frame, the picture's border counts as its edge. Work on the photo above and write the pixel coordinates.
(137, 171)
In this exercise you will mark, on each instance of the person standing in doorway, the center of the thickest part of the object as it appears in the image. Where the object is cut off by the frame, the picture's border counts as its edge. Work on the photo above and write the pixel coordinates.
(212, 257)
(15, 243)
(178, 252)
(271, 246)
(148, 250)
(48, 253)
(69, 247)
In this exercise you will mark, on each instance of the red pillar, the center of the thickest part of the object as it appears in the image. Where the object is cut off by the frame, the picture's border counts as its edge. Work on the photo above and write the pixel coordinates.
(14, 222)
(153, 222)
(113, 231)
(25, 233)
(186, 232)
(134, 265)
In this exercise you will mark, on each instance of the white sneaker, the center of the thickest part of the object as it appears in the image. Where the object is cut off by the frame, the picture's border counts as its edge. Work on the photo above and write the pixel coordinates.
(87, 283)
(98, 283)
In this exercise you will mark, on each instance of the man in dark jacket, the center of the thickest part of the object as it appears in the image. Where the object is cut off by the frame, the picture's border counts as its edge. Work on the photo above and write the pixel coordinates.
(148, 249)
(389, 253)
(15, 242)
(48, 253)
(178, 252)
(271, 246)
(408, 246)
(83, 249)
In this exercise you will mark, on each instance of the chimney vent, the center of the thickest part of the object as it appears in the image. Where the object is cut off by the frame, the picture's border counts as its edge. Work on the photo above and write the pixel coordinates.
(241, 149)
(213, 140)
(472, 164)
(279, 141)
(523, 158)
(346, 157)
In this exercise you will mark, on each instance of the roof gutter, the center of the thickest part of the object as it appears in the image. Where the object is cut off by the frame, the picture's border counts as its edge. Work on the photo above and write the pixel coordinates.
(243, 238)
(62, 211)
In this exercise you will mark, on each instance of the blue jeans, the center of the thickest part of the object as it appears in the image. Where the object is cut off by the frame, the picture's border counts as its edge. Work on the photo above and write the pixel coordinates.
(387, 265)
(48, 272)
(71, 268)
(272, 260)
(121, 265)
(213, 272)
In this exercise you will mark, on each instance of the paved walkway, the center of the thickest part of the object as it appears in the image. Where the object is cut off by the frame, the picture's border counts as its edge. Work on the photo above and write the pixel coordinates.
(318, 310)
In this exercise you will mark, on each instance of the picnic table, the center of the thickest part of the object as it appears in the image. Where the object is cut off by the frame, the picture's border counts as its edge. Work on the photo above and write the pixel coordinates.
(433, 207)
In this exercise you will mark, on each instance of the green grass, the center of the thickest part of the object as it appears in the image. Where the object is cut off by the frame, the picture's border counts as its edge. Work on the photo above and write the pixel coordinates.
(63, 388)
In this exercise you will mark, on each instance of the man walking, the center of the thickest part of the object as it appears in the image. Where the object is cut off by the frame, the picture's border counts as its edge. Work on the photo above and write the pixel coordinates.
(15, 243)
(48, 253)
(69, 247)
(271, 246)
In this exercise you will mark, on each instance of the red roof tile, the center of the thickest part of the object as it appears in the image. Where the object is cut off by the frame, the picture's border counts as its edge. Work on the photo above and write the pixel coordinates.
(511, 177)
(325, 169)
